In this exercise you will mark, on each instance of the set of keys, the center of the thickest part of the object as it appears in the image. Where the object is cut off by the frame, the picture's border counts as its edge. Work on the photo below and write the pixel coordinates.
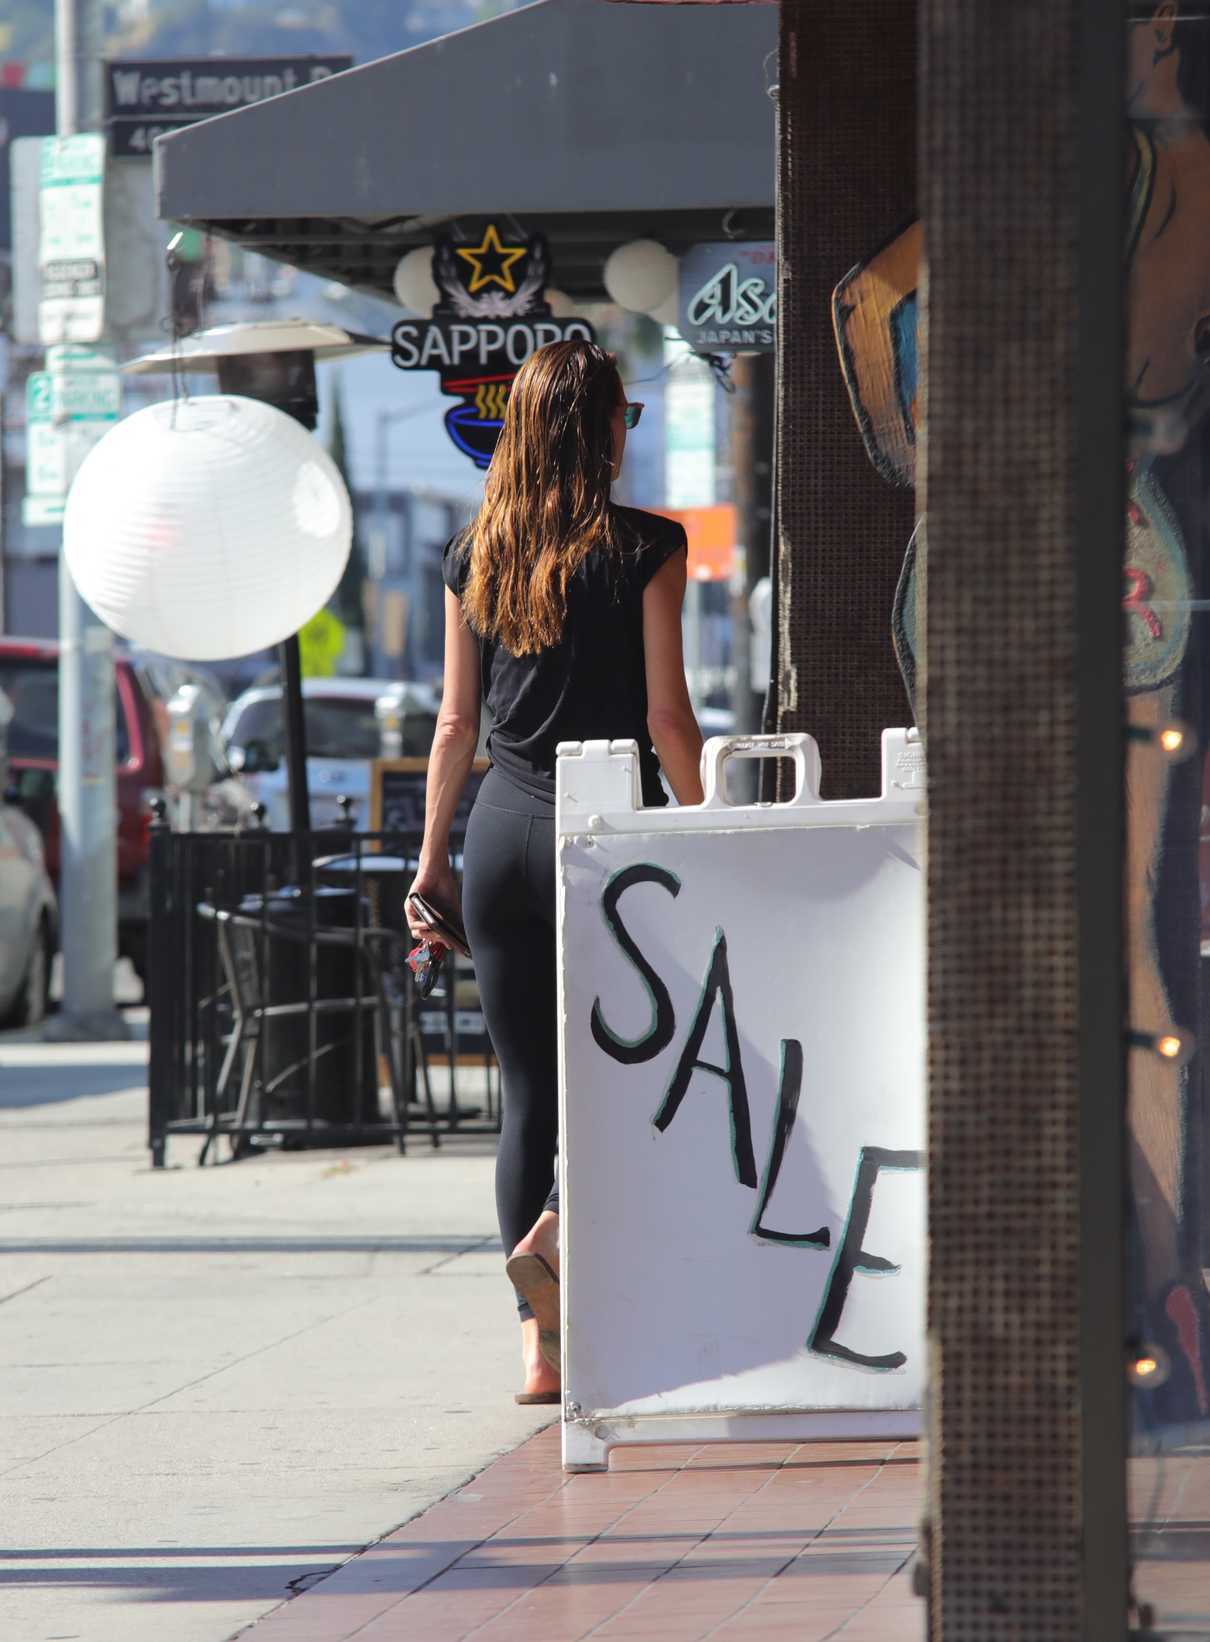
(425, 963)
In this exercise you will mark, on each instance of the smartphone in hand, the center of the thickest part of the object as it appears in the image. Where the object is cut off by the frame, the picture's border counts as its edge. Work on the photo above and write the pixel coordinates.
(447, 926)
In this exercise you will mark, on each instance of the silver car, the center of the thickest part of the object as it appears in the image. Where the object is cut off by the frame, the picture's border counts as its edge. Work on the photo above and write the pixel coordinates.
(343, 733)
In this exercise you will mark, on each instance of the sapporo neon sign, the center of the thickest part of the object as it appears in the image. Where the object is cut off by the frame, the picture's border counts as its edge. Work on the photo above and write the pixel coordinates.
(491, 315)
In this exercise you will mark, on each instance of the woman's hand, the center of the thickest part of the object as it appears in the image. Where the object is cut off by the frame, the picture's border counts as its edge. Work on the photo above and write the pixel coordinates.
(438, 886)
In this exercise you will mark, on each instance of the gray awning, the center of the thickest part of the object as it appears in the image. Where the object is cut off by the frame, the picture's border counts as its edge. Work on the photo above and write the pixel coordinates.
(590, 123)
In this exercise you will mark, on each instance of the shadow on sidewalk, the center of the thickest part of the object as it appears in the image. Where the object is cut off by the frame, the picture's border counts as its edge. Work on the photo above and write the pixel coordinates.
(335, 1244)
(28, 1086)
(172, 1579)
(35, 1072)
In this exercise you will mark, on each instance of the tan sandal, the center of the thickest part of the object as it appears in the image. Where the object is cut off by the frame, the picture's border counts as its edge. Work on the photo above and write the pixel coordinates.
(538, 1283)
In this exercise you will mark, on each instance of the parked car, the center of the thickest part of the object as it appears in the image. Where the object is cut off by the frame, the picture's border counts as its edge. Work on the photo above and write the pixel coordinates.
(28, 913)
(343, 737)
(29, 675)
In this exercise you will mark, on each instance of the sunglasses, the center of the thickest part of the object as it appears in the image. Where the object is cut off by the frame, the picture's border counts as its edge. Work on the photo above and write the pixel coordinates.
(632, 413)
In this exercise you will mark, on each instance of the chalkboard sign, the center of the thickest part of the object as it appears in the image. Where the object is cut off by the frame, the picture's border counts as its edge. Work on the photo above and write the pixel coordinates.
(397, 794)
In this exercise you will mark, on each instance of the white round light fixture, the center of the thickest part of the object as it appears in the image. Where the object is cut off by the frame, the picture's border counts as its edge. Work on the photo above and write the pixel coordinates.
(414, 284)
(207, 528)
(640, 275)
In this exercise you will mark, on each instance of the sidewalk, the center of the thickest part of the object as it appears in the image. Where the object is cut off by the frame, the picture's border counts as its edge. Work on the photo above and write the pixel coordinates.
(221, 1384)
(752, 1543)
(719, 1543)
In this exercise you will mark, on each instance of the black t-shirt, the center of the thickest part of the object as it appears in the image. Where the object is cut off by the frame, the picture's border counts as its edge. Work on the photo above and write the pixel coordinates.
(592, 684)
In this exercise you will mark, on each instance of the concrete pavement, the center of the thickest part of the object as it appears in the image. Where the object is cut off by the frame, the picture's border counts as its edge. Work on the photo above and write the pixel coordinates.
(222, 1383)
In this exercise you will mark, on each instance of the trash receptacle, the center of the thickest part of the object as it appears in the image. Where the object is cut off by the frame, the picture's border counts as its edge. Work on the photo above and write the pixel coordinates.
(274, 954)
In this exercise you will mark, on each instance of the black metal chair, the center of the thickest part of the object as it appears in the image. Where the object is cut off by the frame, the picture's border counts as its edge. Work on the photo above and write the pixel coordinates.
(245, 941)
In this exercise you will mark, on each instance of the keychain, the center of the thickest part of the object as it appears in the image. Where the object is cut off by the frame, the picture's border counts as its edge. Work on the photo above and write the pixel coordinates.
(424, 961)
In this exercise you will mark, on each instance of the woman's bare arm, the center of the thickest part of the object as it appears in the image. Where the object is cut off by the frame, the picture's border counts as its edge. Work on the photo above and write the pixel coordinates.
(670, 721)
(454, 741)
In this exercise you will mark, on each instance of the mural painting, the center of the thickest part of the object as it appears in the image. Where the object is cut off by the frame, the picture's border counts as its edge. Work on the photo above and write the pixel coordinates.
(1164, 586)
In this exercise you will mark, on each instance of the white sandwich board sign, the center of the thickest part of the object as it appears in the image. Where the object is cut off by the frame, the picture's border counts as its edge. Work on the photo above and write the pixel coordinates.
(741, 1105)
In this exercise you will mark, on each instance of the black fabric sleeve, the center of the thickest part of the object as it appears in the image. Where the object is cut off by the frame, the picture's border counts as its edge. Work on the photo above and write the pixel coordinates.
(654, 551)
(455, 563)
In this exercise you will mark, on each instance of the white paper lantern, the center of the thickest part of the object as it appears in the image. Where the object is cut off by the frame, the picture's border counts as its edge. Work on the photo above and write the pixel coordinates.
(207, 528)
(414, 283)
(640, 275)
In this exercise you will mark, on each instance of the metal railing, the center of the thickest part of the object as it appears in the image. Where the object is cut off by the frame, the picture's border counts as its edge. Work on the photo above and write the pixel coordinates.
(282, 1010)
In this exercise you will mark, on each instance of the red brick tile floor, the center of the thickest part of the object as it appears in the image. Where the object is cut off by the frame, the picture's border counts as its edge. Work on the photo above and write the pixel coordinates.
(727, 1541)
(735, 1542)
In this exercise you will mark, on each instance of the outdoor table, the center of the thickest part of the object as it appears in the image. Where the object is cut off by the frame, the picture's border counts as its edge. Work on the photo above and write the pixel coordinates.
(388, 877)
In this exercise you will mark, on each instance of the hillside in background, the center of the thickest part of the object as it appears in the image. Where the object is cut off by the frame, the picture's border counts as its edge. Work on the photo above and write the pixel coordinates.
(247, 28)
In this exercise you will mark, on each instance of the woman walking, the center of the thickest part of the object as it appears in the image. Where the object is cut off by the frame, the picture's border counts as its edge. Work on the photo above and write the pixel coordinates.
(563, 615)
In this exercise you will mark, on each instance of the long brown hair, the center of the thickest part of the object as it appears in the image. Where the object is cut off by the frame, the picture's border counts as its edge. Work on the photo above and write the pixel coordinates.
(546, 500)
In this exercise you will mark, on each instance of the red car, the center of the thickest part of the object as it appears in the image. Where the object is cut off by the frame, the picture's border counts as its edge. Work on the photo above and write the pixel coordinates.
(29, 676)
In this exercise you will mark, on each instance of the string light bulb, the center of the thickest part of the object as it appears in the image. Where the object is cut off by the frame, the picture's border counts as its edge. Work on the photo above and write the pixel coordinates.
(1148, 1367)
(1175, 739)
(1172, 1044)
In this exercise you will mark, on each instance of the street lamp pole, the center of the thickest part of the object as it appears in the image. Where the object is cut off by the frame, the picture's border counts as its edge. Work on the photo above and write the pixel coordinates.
(86, 790)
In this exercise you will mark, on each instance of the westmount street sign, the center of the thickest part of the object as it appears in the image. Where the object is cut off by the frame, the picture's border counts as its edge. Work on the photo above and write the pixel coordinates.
(146, 98)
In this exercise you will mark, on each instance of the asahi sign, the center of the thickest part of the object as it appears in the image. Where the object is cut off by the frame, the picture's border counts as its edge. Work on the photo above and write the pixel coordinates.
(490, 316)
(728, 298)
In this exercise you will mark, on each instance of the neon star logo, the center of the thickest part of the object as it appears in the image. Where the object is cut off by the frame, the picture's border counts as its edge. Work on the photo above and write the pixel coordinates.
(491, 262)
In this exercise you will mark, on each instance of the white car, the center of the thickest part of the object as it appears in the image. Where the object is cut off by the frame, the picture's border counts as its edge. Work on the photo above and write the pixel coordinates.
(343, 736)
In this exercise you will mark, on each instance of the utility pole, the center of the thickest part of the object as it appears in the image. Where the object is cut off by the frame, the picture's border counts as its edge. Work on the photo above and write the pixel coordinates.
(87, 802)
